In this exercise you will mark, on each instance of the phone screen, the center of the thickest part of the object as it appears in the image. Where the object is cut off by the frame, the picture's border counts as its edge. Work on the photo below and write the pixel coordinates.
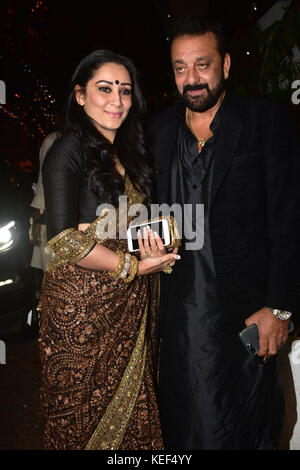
(155, 226)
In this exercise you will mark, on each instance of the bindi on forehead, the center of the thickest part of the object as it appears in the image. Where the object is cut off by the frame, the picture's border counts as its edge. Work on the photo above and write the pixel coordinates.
(116, 82)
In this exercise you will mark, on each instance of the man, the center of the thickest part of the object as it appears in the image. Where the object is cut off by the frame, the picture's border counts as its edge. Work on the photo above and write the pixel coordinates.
(238, 157)
(40, 254)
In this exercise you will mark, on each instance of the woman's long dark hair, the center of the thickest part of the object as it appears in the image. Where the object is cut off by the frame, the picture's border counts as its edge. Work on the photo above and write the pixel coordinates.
(129, 142)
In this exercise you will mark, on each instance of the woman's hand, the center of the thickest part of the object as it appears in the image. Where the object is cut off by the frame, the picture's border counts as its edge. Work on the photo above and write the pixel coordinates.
(154, 256)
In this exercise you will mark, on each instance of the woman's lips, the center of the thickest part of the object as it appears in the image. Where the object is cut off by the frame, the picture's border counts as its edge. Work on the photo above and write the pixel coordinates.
(114, 115)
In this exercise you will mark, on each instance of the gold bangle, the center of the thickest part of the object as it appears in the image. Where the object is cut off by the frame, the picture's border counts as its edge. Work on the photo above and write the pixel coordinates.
(134, 269)
(120, 266)
(126, 266)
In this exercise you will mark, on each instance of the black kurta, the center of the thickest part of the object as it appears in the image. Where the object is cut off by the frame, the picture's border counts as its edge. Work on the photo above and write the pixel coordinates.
(207, 380)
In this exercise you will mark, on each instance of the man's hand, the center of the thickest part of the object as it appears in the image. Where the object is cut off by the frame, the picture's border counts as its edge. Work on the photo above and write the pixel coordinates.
(273, 333)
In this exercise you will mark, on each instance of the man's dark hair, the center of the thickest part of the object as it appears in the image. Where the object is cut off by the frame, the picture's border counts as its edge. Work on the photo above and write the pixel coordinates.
(194, 25)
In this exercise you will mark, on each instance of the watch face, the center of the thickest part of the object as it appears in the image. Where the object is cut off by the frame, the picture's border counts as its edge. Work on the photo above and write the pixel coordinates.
(281, 314)
(285, 315)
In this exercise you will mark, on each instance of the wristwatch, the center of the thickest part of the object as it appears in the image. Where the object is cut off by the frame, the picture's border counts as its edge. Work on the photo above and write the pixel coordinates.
(281, 314)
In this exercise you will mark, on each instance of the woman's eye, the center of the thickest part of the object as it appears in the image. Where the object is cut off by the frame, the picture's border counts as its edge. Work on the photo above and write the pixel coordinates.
(104, 89)
(126, 91)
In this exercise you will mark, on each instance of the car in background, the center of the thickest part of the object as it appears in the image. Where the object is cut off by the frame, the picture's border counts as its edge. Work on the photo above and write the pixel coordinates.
(16, 285)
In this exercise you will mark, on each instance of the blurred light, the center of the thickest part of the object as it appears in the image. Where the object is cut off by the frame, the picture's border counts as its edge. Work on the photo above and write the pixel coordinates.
(6, 236)
(6, 282)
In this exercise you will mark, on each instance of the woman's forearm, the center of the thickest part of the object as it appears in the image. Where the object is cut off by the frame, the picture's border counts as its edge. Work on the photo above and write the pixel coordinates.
(100, 259)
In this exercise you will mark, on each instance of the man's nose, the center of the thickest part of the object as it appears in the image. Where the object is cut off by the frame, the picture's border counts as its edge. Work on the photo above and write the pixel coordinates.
(192, 76)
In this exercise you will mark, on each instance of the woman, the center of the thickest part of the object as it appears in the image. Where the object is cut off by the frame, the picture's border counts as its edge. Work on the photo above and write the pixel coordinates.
(98, 309)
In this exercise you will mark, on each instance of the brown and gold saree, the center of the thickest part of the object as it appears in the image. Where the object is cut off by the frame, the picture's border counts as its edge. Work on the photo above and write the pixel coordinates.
(98, 343)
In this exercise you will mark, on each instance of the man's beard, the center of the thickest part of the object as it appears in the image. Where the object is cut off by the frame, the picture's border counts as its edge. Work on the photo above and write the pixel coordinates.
(206, 100)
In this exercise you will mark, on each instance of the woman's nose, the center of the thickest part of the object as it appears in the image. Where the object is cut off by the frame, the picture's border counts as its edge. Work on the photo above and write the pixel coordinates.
(116, 97)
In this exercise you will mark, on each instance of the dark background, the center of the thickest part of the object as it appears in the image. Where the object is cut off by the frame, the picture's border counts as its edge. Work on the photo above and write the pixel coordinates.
(42, 42)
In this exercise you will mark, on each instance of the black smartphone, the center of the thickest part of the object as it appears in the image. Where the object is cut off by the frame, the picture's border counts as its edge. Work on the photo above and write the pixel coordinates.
(250, 337)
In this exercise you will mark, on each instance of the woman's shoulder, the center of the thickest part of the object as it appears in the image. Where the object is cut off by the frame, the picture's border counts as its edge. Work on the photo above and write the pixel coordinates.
(67, 142)
(66, 152)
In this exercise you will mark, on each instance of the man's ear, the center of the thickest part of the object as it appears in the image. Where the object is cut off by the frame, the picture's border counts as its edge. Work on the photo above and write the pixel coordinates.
(79, 95)
(226, 65)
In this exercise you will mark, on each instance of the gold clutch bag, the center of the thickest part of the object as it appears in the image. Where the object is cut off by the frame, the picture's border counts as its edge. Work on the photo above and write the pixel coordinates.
(175, 240)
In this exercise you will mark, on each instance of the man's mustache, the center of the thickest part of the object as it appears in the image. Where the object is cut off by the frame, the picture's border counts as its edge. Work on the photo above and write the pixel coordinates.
(201, 86)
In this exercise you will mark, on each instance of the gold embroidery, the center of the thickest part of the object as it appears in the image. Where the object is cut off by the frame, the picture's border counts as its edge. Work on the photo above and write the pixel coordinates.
(111, 429)
(71, 245)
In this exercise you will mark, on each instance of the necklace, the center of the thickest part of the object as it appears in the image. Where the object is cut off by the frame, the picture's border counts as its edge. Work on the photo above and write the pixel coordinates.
(201, 142)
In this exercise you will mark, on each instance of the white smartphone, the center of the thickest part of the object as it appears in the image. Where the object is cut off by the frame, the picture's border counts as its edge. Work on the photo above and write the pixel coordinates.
(159, 226)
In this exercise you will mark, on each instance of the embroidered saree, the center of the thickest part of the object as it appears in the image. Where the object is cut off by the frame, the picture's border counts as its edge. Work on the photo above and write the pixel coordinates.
(98, 350)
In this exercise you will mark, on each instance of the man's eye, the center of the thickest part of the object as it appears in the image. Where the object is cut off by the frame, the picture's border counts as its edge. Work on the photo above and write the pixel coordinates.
(179, 69)
(202, 66)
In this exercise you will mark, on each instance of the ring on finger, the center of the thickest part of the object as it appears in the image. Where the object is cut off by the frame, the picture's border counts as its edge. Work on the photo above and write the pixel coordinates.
(168, 269)
(265, 357)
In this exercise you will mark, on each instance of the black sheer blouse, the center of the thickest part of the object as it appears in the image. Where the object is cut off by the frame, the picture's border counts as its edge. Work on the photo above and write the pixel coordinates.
(68, 200)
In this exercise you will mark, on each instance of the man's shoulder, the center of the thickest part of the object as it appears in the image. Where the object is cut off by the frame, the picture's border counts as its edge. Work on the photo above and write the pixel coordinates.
(255, 105)
(261, 115)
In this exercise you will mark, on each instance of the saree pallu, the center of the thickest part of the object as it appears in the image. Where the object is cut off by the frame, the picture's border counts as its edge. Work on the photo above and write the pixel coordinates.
(98, 341)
